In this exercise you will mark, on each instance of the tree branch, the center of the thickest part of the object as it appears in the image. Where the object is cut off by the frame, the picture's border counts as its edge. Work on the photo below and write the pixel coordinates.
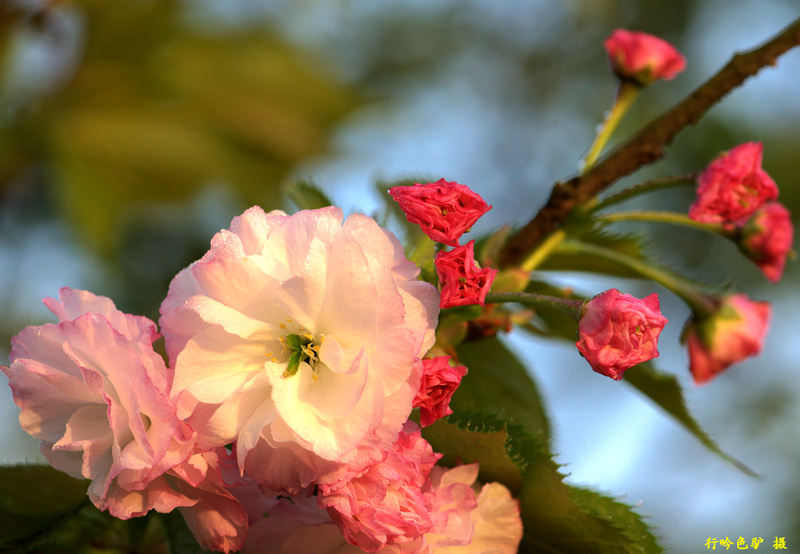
(645, 147)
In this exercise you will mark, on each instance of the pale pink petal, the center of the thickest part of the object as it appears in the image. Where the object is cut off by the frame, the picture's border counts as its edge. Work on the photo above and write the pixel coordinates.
(73, 303)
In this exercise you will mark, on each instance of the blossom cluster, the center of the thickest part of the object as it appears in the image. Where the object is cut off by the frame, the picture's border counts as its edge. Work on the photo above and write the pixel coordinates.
(733, 191)
(297, 350)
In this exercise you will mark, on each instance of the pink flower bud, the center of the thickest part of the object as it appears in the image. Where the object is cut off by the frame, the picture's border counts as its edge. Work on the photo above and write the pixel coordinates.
(767, 238)
(444, 210)
(618, 331)
(463, 282)
(439, 381)
(733, 186)
(735, 332)
(642, 58)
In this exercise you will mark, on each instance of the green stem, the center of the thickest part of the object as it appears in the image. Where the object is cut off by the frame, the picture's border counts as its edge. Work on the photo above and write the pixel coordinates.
(700, 302)
(641, 188)
(668, 217)
(543, 250)
(626, 94)
(572, 308)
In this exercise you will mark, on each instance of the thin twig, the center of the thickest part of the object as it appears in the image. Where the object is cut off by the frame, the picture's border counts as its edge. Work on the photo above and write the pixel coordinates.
(645, 147)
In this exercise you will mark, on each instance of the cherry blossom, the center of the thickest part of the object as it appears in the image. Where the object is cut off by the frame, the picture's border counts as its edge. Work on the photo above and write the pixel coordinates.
(304, 335)
(97, 395)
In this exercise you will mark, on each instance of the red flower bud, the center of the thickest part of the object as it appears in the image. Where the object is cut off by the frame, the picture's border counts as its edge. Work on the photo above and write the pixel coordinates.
(642, 58)
(443, 210)
(462, 281)
(733, 186)
(735, 332)
(618, 331)
(439, 381)
(767, 238)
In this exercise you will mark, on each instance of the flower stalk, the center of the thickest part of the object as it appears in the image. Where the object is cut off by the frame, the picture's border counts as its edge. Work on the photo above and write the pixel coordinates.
(652, 185)
(626, 94)
(699, 301)
(669, 217)
(572, 308)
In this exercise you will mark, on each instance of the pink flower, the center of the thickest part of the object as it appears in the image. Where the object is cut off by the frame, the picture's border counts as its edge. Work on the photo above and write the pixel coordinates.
(97, 395)
(463, 522)
(439, 381)
(767, 237)
(462, 280)
(297, 525)
(495, 521)
(216, 517)
(618, 331)
(642, 58)
(386, 503)
(735, 332)
(445, 210)
(304, 336)
(733, 186)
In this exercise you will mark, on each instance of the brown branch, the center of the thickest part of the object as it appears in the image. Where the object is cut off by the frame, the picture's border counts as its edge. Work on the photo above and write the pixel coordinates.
(645, 147)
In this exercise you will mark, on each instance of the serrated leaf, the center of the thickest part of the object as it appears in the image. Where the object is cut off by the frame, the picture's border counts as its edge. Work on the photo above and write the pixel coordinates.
(555, 522)
(472, 440)
(665, 391)
(556, 517)
(620, 515)
(496, 378)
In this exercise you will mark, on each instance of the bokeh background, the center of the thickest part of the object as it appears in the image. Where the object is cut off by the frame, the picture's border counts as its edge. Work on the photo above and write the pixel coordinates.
(131, 131)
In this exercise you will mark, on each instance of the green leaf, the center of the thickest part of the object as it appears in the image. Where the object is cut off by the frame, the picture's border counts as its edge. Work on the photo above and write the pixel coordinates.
(471, 439)
(496, 378)
(618, 514)
(34, 499)
(666, 392)
(556, 517)
(306, 195)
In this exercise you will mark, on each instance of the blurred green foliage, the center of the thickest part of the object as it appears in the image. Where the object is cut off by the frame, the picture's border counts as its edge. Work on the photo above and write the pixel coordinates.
(155, 110)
